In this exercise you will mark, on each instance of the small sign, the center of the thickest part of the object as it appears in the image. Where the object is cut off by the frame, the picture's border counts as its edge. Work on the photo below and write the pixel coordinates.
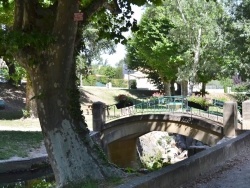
(78, 16)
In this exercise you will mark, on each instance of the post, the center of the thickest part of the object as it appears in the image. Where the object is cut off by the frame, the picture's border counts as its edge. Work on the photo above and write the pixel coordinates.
(99, 115)
(230, 118)
(246, 115)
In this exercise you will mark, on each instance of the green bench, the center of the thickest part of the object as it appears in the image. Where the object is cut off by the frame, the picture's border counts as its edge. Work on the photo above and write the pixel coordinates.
(218, 103)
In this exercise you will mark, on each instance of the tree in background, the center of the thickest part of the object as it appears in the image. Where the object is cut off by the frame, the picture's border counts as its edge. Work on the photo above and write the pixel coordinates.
(110, 72)
(119, 69)
(92, 46)
(197, 31)
(16, 70)
(45, 39)
(237, 31)
(151, 48)
(177, 32)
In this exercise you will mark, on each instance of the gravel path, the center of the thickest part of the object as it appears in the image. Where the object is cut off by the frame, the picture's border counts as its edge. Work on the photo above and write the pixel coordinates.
(234, 173)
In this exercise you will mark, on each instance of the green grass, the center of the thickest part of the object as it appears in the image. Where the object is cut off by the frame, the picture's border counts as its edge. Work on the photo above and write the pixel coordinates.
(18, 143)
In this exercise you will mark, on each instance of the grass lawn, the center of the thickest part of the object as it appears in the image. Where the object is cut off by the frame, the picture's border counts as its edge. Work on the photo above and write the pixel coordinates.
(18, 143)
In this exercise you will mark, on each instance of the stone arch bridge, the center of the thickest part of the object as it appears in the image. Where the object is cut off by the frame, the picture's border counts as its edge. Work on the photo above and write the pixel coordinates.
(119, 137)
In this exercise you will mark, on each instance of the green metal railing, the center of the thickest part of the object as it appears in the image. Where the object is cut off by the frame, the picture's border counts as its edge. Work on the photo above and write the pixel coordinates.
(160, 105)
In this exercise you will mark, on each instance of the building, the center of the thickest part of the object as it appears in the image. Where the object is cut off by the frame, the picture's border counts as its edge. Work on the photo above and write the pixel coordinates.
(141, 79)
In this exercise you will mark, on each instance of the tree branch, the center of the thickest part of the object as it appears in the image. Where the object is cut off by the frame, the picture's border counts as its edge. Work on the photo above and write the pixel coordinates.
(18, 15)
(93, 8)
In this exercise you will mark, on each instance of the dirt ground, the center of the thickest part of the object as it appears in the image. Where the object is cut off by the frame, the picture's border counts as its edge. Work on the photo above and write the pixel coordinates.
(14, 97)
(234, 173)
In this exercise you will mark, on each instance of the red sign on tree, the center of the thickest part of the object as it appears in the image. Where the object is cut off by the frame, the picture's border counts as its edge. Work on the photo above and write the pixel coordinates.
(78, 16)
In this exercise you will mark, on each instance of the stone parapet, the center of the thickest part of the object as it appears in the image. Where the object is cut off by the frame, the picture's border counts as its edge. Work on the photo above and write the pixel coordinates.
(246, 115)
(230, 118)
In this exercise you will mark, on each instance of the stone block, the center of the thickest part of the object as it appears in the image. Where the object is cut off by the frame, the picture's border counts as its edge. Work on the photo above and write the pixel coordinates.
(246, 115)
(230, 118)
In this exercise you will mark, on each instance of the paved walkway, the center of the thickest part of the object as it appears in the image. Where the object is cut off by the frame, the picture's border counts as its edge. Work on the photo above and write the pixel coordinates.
(234, 173)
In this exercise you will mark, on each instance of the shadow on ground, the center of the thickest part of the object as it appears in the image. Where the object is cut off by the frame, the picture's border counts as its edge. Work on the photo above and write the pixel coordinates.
(14, 98)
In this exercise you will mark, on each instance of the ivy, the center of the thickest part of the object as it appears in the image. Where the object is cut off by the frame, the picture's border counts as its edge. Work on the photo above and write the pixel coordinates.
(14, 41)
(74, 105)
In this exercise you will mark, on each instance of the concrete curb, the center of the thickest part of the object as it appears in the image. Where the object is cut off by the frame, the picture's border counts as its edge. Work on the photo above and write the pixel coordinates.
(191, 168)
(22, 164)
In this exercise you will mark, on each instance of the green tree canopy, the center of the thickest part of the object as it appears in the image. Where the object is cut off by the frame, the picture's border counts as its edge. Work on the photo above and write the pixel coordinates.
(151, 48)
(237, 29)
(198, 32)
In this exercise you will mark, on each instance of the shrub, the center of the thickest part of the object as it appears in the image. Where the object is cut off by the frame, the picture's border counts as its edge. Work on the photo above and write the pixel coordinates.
(123, 98)
(90, 80)
(103, 79)
(119, 83)
(133, 84)
(199, 100)
(242, 87)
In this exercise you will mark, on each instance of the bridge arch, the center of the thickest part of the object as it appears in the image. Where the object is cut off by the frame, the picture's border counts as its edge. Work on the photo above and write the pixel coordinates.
(119, 137)
(199, 128)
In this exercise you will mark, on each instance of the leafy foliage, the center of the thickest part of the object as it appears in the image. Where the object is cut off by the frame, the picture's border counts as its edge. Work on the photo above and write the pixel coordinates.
(199, 100)
(242, 87)
(237, 31)
(151, 48)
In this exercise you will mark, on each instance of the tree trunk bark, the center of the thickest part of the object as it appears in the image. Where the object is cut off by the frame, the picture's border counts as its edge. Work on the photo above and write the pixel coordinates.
(203, 89)
(12, 71)
(172, 88)
(195, 64)
(31, 105)
(184, 88)
(167, 90)
(73, 155)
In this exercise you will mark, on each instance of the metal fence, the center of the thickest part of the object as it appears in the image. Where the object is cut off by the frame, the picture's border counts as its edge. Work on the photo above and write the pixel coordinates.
(161, 105)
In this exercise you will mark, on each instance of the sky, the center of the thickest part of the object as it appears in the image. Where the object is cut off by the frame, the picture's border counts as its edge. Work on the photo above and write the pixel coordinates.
(120, 49)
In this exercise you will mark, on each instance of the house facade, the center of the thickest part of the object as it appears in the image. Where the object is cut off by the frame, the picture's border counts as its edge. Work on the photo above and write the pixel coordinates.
(141, 79)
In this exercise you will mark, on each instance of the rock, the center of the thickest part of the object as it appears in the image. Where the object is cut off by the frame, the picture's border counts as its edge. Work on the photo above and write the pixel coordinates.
(157, 146)
(160, 147)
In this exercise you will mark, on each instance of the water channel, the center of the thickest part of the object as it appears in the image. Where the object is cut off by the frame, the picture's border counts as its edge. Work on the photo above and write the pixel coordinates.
(28, 178)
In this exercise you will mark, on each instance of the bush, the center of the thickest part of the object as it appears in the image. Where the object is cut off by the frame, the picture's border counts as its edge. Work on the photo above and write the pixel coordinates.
(242, 87)
(119, 83)
(199, 100)
(133, 84)
(90, 80)
(103, 79)
(226, 82)
(241, 98)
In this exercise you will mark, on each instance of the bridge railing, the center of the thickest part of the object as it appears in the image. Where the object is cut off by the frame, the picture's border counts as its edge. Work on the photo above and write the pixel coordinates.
(164, 104)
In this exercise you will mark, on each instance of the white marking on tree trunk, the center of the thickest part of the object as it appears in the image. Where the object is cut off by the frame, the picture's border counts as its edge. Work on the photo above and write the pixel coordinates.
(71, 155)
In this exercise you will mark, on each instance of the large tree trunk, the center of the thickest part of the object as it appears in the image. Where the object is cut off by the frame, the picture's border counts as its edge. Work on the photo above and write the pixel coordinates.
(167, 90)
(31, 105)
(12, 72)
(184, 88)
(172, 88)
(195, 64)
(73, 155)
(203, 89)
